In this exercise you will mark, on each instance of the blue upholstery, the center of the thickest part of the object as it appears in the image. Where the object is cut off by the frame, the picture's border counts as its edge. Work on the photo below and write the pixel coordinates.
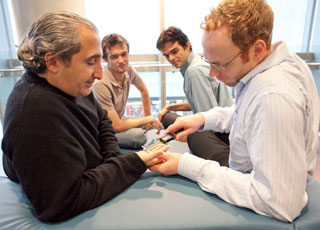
(156, 202)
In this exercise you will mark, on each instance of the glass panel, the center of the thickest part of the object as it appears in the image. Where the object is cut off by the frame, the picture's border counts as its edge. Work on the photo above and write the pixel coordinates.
(6, 85)
(316, 77)
(138, 21)
(188, 19)
(174, 90)
(134, 105)
(289, 22)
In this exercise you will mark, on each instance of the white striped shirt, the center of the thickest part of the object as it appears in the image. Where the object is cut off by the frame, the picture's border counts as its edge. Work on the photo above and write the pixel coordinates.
(273, 139)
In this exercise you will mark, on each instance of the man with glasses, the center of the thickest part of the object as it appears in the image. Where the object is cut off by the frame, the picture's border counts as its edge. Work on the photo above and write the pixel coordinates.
(112, 93)
(221, 67)
(273, 125)
(202, 93)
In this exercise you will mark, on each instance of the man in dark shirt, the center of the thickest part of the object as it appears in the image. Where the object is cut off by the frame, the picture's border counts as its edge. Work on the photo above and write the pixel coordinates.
(58, 142)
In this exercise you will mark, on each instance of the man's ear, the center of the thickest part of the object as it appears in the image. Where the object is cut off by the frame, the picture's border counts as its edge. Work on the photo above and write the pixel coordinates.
(259, 49)
(188, 46)
(52, 62)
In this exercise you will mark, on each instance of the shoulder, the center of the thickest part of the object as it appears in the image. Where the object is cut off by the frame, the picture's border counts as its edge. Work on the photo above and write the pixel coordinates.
(133, 75)
(197, 73)
(42, 109)
(104, 84)
(198, 68)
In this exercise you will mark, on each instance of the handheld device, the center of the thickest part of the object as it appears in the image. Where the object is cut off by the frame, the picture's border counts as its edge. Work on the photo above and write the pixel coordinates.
(162, 140)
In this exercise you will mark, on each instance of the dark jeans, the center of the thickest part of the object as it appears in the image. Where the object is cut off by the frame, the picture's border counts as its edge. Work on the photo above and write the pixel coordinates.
(206, 144)
(210, 146)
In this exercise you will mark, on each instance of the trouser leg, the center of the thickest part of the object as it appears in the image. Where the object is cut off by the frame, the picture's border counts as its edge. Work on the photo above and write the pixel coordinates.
(168, 119)
(132, 138)
(210, 146)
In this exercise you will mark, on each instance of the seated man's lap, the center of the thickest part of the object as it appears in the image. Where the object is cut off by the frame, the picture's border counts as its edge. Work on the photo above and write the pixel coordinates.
(132, 138)
(210, 145)
(206, 144)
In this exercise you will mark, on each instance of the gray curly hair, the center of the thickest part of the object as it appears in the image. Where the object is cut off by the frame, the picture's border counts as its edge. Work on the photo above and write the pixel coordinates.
(55, 32)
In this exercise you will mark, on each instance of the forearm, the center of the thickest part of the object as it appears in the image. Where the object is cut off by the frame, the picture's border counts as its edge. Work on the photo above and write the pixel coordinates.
(123, 125)
(183, 106)
(108, 143)
(146, 103)
(64, 183)
(218, 119)
(241, 189)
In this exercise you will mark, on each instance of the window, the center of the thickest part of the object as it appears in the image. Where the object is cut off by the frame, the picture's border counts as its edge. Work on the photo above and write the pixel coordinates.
(289, 20)
(189, 19)
(142, 27)
(141, 21)
(138, 21)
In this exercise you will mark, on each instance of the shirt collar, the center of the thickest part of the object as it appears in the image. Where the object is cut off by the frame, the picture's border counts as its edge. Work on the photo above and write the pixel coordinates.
(113, 81)
(278, 54)
(183, 69)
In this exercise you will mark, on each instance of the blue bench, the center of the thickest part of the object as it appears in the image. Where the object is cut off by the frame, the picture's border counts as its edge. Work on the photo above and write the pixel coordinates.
(156, 202)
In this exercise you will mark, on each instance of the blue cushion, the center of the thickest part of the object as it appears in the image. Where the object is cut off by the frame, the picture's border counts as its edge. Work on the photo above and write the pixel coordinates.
(156, 202)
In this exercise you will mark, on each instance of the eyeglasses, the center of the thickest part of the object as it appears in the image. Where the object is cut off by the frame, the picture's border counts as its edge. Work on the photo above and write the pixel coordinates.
(221, 67)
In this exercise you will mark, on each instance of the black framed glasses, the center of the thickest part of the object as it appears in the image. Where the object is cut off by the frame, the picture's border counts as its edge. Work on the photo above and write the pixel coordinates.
(221, 67)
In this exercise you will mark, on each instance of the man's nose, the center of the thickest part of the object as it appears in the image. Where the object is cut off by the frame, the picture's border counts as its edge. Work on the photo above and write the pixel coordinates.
(213, 71)
(98, 72)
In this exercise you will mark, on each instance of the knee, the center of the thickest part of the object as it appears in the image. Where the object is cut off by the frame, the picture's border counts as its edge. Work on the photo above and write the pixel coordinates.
(194, 139)
(168, 119)
(132, 138)
(139, 138)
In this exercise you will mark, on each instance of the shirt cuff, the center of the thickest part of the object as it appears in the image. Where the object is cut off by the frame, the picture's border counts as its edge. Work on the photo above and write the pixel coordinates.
(190, 166)
(206, 115)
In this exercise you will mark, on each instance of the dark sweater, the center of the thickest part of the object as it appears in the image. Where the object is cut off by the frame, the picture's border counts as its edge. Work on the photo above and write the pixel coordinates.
(63, 150)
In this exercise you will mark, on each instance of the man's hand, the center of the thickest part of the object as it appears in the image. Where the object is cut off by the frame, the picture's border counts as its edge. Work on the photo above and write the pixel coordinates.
(163, 111)
(188, 125)
(147, 127)
(168, 164)
(152, 157)
(153, 123)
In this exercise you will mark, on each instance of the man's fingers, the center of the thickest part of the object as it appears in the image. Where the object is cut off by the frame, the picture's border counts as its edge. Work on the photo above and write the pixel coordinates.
(160, 147)
(155, 161)
(182, 134)
(156, 152)
(155, 168)
(172, 128)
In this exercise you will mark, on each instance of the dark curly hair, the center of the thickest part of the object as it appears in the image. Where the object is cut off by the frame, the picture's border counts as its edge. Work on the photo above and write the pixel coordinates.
(172, 35)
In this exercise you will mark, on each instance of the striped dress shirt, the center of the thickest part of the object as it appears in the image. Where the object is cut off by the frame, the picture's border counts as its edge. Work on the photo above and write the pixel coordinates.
(273, 139)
